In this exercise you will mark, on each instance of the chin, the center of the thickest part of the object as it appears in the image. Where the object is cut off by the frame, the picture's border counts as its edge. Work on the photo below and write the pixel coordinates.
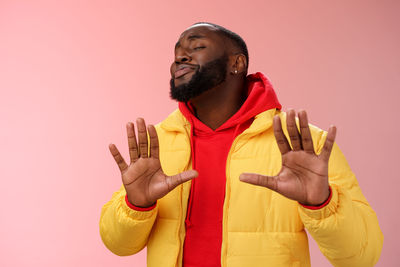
(179, 82)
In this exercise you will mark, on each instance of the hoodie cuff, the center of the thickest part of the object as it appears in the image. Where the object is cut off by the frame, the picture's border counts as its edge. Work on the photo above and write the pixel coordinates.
(130, 205)
(322, 205)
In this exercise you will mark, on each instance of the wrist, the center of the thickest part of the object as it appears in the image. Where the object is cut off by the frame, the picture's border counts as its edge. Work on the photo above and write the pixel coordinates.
(320, 206)
(139, 208)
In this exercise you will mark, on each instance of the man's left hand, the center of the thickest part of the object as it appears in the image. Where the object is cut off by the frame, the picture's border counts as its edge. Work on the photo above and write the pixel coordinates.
(304, 174)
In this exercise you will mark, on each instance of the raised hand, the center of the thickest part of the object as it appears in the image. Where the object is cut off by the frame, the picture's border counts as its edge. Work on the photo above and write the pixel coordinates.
(144, 179)
(304, 175)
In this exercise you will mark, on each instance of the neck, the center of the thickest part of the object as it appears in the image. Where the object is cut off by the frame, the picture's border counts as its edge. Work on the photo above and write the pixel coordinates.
(216, 106)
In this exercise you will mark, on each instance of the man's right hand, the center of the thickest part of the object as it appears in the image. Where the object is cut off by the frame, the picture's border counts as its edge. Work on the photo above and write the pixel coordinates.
(144, 179)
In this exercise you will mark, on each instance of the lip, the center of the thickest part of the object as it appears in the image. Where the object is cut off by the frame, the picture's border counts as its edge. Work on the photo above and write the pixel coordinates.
(182, 70)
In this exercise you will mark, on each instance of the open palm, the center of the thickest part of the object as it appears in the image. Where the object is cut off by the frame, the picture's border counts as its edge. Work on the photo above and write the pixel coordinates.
(304, 174)
(144, 179)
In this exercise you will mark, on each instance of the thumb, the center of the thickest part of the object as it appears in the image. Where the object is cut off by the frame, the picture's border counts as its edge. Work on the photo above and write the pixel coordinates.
(261, 180)
(174, 181)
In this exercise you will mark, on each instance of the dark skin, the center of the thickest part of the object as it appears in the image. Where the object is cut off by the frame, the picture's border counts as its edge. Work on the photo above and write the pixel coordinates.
(304, 175)
(197, 46)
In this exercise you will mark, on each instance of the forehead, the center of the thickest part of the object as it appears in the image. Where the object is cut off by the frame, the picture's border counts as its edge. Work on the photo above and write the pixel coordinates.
(200, 31)
(200, 28)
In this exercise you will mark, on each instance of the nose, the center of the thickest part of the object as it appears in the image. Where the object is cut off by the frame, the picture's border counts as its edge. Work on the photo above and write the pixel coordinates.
(182, 57)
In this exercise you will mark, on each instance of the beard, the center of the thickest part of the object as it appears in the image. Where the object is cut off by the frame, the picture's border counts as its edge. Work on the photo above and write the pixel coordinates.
(205, 78)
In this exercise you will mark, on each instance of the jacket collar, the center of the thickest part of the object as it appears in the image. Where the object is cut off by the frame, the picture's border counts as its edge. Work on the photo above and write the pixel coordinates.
(176, 122)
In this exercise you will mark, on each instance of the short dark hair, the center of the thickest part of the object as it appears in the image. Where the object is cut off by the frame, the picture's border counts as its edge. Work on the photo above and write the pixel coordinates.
(234, 37)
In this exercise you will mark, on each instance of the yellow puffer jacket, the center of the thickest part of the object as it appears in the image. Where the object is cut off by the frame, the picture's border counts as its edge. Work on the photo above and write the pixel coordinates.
(260, 227)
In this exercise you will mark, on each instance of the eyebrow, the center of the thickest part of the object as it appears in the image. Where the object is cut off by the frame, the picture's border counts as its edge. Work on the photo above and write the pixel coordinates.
(191, 37)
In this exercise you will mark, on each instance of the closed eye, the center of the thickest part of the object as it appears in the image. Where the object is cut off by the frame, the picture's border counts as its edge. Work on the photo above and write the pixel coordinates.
(199, 47)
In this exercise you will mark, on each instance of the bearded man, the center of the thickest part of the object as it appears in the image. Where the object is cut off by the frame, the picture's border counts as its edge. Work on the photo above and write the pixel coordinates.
(229, 179)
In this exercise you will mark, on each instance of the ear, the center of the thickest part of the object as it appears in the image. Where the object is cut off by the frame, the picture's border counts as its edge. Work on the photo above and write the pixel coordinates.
(239, 65)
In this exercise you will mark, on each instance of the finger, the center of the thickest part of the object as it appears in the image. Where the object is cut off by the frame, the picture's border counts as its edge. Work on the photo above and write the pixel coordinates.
(118, 158)
(306, 138)
(261, 180)
(280, 137)
(292, 130)
(154, 150)
(330, 140)
(142, 134)
(133, 148)
(174, 181)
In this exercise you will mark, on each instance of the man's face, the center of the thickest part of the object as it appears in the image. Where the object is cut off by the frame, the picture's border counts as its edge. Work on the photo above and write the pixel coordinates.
(200, 63)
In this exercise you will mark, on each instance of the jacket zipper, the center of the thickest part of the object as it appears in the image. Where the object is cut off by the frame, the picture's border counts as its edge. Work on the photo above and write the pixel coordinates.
(180, 251)
(193, 183)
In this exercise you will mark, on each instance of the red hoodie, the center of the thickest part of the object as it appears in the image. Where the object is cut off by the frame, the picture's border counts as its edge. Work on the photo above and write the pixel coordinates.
(210, 149)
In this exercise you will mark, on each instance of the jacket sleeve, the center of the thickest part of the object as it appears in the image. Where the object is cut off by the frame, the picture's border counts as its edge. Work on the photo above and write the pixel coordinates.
(125, 231)
(347, 229)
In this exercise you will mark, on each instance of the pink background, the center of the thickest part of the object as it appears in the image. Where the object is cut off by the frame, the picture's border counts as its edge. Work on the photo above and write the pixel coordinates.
(72, 73)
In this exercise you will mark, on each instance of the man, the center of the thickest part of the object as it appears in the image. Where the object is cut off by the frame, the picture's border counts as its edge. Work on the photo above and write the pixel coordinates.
(188, 193)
